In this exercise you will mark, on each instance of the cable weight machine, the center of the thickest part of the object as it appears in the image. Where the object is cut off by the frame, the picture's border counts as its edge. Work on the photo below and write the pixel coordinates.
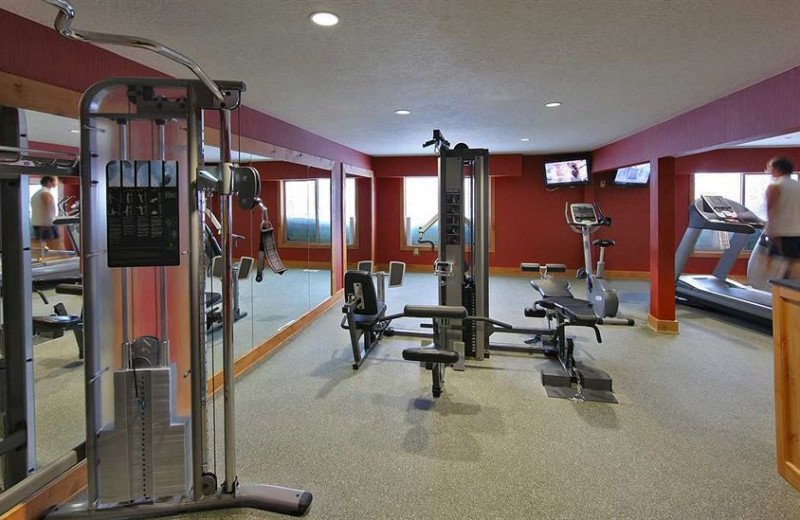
(144, 186)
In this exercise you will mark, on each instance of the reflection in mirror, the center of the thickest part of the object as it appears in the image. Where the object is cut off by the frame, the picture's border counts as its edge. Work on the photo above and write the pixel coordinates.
(358, 220)
(246, 227)
(58, 389)
(318, 232)
(278, 300)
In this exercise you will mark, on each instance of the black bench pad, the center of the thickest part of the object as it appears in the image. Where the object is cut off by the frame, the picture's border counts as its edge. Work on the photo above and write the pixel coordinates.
(575, 310)
(430, 355)
(55, 322)
(552, 288)
(435, 311)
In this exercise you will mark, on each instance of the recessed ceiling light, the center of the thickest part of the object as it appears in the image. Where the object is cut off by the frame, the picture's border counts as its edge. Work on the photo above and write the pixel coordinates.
(553, 104)
(402, 112)
(324, 19)
(74, 131)
(525, 139)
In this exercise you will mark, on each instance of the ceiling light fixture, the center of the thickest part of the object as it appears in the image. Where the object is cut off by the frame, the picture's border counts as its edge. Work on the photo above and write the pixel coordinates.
(402, 112)
(74, 131)
(324, 19)
(525, 139)
(553, 104)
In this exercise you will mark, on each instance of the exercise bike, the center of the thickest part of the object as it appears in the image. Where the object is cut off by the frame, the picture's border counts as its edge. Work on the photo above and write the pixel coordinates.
(586, 219)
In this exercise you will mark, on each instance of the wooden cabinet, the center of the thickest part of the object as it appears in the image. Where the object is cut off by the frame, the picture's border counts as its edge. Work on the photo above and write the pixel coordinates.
(786, 337)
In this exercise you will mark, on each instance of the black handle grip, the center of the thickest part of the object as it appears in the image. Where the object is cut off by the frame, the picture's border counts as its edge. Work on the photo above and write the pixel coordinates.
(435, 311)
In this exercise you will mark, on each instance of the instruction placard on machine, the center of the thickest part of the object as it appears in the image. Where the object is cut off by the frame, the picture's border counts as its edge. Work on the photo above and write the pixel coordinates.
(142, 212)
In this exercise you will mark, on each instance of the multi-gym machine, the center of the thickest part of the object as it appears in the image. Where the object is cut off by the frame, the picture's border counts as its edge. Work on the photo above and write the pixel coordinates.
(462, 271)
(144, 188)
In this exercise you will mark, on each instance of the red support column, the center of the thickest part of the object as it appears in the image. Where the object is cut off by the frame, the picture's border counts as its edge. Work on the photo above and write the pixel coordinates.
(662, 245)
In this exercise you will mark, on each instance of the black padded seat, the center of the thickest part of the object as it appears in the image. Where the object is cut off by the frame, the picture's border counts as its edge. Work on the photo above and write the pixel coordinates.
(55, 322)
(368, 321)
(604, 242)
(550, 288)
(213, 298)
(430, 355)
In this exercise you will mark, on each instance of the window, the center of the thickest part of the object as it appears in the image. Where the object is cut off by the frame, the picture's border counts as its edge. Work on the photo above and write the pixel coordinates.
(421, 209)
(307, 211)
(745, 188)
(350, 205)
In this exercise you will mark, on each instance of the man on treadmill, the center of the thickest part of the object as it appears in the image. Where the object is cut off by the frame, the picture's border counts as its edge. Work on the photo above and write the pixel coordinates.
(777, 254)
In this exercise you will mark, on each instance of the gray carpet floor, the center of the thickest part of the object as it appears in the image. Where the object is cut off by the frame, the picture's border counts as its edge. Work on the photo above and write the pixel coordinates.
(692, 436)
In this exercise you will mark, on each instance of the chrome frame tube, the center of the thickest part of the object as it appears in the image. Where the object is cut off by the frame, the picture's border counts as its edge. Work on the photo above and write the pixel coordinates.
(122, 126)
(161, 153)
(587, 250)
(197, 281)
(226, 213)
(480, 250)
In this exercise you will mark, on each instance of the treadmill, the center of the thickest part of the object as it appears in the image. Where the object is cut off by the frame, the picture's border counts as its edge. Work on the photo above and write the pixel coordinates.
(716, 290)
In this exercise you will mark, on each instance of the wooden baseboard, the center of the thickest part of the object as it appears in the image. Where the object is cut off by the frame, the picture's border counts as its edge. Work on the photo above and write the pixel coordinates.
(305, 264)
(663, 326)
(61, 490)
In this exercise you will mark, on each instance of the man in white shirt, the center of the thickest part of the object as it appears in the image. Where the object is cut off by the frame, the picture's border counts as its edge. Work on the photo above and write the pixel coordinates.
(43, 212)
(778, 252)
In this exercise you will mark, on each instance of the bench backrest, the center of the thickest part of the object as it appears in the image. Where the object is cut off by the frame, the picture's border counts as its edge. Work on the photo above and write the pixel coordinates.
(358, 286)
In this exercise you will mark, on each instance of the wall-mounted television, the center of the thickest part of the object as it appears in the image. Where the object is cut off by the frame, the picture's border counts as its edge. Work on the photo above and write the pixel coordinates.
(566, 173)
(637, 175)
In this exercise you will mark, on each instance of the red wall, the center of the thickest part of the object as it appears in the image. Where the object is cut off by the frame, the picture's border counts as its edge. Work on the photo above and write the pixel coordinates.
(629, 209)
(363, 247)
(529, 220)
(765, 109)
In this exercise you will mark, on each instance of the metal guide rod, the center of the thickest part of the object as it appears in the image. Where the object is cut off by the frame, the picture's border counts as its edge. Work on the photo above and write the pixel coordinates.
(227, 299)
(161, 143)
(63, 25)
(122, 125)
(197, 337)
(480, 250)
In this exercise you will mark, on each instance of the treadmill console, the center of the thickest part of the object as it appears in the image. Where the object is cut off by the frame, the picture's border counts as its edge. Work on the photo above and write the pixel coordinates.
(583, 214)
(719, 206)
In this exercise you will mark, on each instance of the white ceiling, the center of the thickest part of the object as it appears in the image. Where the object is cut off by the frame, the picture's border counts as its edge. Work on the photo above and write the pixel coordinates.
(480, 70)
(790, 140)
(46, 128)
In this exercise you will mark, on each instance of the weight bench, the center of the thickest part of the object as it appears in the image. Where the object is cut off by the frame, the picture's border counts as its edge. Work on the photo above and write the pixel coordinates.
(437, 357)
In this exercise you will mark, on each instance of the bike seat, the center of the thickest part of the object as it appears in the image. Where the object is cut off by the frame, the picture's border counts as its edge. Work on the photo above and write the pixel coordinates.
(604, 242)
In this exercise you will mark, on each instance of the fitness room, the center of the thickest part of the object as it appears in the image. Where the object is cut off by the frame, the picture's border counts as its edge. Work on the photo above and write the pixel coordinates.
(533, 259)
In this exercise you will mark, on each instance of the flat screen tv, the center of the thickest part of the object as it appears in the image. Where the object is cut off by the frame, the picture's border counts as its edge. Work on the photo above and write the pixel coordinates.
(637, 175)
(566, 173)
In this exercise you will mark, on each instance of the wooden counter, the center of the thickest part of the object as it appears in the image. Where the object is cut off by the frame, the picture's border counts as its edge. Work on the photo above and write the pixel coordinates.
(786, 337)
